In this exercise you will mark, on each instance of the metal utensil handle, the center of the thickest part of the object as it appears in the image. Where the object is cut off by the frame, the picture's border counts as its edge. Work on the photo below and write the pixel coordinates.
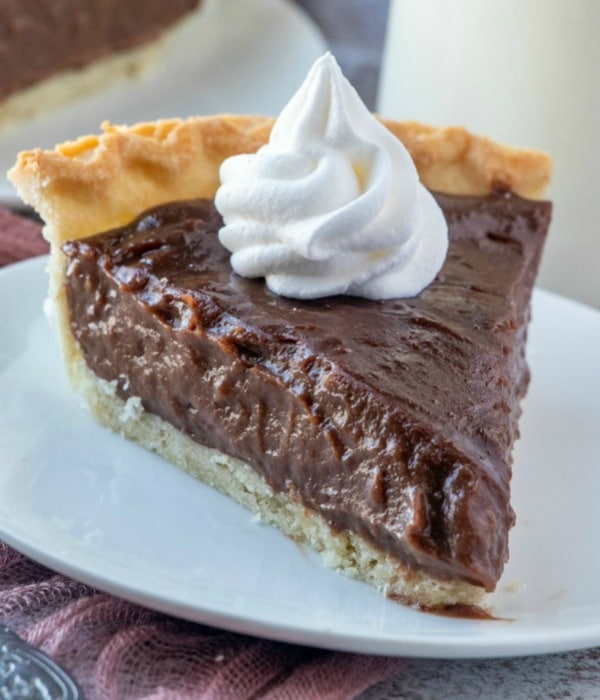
(26, 673)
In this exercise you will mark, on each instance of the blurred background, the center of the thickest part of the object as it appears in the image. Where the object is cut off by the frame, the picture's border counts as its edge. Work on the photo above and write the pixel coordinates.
(524, 72)
(354, 30)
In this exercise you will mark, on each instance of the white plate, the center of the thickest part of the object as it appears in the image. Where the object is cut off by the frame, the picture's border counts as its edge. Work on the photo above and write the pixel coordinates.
(238, 56)
(103, 510)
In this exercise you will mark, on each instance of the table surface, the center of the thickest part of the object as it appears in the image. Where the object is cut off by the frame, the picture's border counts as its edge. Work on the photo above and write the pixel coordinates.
(355, 31)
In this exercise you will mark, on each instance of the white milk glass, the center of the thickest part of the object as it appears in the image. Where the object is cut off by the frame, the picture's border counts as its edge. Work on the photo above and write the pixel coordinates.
(524, 72)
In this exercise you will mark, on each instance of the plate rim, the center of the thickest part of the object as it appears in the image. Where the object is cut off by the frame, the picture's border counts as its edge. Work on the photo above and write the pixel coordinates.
(444, 646)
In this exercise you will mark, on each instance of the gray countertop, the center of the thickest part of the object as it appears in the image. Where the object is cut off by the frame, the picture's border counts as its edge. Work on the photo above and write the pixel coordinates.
(355, 31)
(552, 677)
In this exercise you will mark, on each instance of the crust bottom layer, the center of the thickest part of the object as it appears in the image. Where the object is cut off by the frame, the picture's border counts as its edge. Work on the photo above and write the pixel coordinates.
(344, 551)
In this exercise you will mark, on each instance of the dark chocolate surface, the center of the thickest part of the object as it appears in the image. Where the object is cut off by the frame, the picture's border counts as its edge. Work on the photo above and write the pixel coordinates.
(395, 419)
(41, 37)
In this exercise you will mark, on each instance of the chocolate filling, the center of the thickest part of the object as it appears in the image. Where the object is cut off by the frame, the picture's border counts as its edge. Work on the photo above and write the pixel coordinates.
(393, 419)
(39, 38)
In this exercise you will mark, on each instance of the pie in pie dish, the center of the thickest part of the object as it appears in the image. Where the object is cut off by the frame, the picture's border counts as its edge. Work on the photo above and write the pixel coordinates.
(379, 432)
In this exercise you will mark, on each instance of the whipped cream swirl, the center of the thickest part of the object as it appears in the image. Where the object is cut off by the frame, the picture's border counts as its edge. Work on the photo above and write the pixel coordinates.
(332, 204)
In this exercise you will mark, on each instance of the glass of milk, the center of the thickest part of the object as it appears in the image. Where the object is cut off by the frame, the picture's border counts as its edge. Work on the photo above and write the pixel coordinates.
(526, 73)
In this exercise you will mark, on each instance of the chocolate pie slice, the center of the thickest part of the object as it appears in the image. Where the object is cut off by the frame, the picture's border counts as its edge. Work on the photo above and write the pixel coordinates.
(380, 432)
(55, 50)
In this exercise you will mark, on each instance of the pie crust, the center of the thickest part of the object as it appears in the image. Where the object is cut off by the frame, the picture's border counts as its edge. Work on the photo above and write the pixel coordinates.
(102, 182)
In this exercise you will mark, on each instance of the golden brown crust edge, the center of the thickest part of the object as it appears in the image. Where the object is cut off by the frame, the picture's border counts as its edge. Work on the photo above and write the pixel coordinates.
(99, 182)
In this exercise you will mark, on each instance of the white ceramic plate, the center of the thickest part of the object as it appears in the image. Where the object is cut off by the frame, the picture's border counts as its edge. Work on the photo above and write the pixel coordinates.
(238, 56)
(103, 510)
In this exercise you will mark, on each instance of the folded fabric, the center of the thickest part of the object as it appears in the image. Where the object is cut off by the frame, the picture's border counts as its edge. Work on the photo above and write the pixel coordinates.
(115, 649)
(20, 238)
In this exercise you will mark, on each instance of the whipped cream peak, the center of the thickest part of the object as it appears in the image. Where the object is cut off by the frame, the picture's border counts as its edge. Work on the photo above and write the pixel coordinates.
(332, 204)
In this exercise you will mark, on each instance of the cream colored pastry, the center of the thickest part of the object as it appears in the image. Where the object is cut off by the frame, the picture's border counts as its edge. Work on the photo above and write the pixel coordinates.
(100, 182)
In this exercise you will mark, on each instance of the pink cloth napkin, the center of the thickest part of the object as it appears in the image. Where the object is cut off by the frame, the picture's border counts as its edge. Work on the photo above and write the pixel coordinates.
(20, 238)
(115, 649)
